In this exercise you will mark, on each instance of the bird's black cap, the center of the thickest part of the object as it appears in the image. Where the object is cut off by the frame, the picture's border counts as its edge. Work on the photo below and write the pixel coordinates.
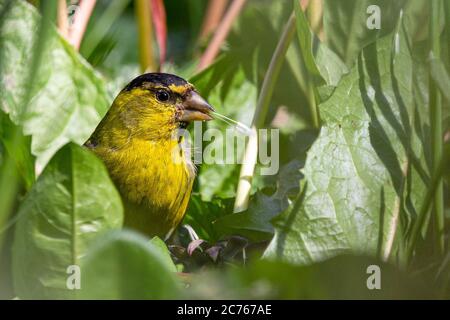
(164, 79)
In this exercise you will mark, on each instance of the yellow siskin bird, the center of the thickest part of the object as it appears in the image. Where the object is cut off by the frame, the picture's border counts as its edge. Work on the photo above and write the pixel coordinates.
(139, 142)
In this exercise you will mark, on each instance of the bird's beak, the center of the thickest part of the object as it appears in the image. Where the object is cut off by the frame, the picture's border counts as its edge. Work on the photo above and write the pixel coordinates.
(195, 108)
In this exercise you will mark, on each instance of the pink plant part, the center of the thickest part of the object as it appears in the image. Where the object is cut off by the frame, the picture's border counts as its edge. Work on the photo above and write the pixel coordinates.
(81, 19)
(159, 22)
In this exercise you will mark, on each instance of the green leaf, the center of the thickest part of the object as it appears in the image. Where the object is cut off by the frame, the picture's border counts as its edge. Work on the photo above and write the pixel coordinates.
(102, 24)
(21, 153)
(72, 202)
(255, 223)
(321, 63)
(440, 77)
(345, 25)
(123, 266)
(209, 78)
(200, 215)
(365, 175)
(213, 220)
(305, 39)
(161, 247)
(417, 19)
(68, 97)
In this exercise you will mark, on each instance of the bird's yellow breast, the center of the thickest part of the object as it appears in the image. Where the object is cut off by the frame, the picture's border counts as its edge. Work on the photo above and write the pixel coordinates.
(155, 180)
(138, 140)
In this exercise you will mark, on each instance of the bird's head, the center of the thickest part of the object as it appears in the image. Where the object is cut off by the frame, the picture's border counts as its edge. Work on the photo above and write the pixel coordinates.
(155, 105)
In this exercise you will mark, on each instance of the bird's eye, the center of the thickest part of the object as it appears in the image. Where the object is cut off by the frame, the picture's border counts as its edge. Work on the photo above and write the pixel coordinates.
(162, 95)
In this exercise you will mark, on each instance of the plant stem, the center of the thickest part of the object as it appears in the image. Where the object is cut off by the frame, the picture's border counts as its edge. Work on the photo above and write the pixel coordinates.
(63, 23)
(436, 182)
(81, 20)
(311, 94)
(262, 107)
(436, 125)
(220, 35)
(144, 18)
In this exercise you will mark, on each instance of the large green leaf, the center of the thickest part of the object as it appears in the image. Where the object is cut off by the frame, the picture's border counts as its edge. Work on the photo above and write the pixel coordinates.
(213, 220)
(70, 204)
(124, 265)
(68, 98)
(345, 24)
(365, 175)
